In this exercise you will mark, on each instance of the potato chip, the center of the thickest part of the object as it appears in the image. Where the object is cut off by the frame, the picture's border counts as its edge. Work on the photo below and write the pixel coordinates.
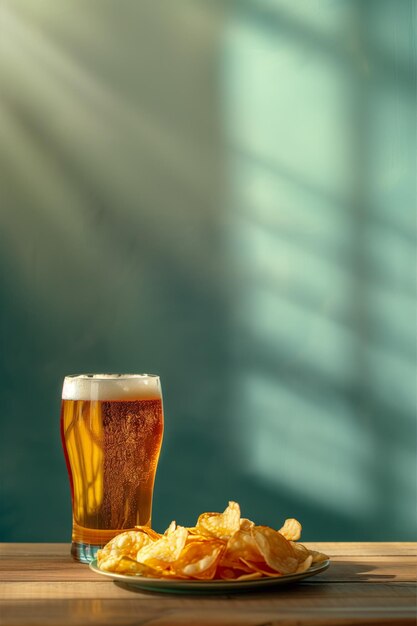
(261, 567)
(171, 528)
(305, 565)
(220, 525)
(193, 530)
(252, 576)
(152, 534)
(291, 530)
(166, 549)
(234, 573)
(242, 545)
(125, 544)
(301, 552)
(318, 557)
(125, 565)
(199, 560)
(197, 538)
(246, 524)
(276, 550)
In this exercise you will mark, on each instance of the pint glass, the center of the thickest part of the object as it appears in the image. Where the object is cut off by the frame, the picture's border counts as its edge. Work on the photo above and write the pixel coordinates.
(111, 429)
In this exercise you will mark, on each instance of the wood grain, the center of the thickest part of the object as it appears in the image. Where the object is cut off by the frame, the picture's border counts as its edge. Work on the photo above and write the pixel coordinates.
(113, 612)
(304, 592)
(372, 584)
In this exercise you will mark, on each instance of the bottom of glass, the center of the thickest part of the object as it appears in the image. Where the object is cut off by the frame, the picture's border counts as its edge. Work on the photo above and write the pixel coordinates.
(84, 552)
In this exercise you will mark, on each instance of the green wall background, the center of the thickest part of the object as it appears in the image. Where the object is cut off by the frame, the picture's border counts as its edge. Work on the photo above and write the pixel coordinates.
(222, 193)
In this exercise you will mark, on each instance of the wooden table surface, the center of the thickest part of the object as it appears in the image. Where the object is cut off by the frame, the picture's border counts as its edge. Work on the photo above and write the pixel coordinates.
(367, 583)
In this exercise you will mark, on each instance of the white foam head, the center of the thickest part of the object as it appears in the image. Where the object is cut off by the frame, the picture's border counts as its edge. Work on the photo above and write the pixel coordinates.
(111, 387)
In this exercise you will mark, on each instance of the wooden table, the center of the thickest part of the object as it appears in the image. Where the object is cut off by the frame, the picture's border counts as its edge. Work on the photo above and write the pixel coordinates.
(367, 583)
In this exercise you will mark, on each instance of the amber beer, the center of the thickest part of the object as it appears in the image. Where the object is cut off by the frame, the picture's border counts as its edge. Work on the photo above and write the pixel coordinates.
(111, 428)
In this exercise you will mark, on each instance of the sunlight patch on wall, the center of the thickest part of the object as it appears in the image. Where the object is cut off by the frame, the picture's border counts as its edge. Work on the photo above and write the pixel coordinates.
(269, 80)
(308, 446)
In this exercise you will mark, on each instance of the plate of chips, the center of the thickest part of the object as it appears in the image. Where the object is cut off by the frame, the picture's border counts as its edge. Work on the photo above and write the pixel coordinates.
(222, 553)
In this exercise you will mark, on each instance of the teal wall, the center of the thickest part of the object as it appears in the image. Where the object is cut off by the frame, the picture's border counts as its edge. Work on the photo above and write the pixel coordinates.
(222, 193)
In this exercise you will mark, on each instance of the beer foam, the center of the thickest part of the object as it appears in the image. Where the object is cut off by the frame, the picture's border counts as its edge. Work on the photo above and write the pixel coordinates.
(111, 387)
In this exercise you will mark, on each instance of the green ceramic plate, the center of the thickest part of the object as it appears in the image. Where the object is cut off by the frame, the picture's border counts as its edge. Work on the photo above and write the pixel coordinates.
(207, 586)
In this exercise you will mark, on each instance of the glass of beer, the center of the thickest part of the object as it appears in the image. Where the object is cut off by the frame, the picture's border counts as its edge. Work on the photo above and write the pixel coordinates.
(111, 429)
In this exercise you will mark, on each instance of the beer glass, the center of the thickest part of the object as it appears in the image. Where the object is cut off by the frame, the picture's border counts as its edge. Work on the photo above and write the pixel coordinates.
(111, 429)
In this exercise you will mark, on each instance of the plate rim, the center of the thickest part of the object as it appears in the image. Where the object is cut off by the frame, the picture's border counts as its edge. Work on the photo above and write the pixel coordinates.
(138, 580)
